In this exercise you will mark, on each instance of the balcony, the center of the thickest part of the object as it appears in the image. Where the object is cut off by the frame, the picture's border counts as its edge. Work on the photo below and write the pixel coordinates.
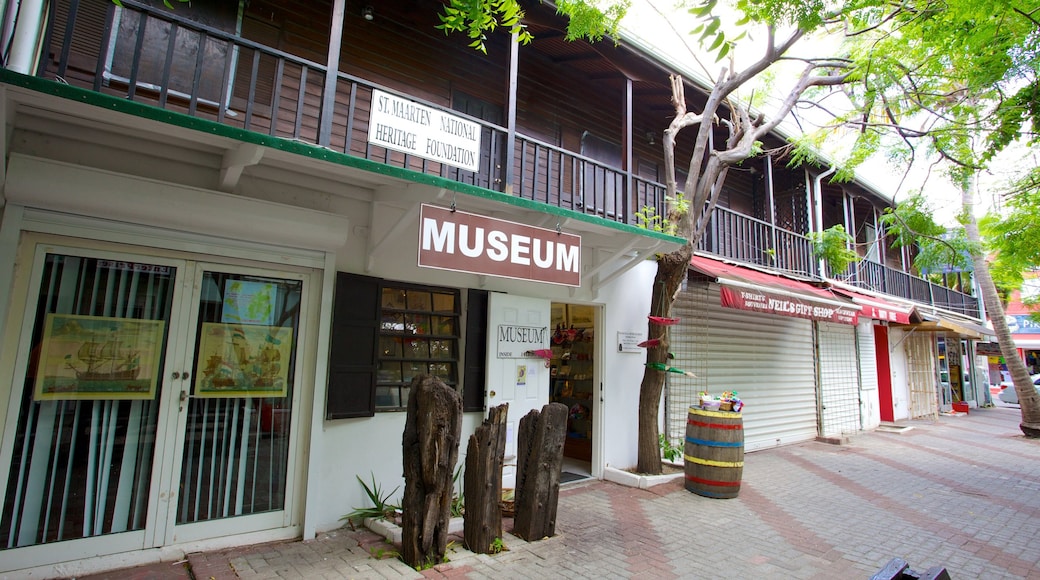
(740, 238)
(240, 83)
(219, 75)
(735, 236)
(883, 279)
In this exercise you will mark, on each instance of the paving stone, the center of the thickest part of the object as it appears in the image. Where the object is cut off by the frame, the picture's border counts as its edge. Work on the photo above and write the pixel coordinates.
(960, 492)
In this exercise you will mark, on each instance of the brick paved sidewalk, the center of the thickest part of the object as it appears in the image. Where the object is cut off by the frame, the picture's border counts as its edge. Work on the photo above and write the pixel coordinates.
(961, 492)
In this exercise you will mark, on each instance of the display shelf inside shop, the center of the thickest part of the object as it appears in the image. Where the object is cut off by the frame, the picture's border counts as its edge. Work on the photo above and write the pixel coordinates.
(571, 370)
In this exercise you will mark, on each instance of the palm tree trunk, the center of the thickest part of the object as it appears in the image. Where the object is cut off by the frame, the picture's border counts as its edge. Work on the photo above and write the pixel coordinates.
(1027, 395)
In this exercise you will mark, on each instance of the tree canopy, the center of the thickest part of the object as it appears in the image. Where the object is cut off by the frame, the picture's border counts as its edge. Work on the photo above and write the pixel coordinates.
(954, 80)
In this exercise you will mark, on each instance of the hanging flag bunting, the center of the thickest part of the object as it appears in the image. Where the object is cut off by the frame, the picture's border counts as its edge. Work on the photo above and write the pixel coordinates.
(649, 343)
(663, 321)
(667, 369)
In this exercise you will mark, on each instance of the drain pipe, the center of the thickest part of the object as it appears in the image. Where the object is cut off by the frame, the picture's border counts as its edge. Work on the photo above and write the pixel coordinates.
(28, 29)
(818, 207)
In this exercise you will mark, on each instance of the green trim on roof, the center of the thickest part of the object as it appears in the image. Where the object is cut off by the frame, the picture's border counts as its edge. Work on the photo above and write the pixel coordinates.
(150, 112)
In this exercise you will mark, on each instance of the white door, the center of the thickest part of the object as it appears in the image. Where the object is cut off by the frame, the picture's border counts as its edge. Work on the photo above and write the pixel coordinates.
(517, 326)
(153, 404)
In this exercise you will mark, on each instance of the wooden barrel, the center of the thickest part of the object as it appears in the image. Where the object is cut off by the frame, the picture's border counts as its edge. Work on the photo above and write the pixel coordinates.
(714, 453)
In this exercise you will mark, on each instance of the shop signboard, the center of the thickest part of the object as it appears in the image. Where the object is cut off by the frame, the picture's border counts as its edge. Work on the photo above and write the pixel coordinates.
(466, 242)
(1022, 324)
(987, 348)
(760, 300)
(409, 127)
(884, 313)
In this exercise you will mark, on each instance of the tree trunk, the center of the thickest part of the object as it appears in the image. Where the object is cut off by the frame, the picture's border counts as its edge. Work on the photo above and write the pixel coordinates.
(483, 482)
(433, 427)
(1027, 395)
(539, 457)
(671, 269)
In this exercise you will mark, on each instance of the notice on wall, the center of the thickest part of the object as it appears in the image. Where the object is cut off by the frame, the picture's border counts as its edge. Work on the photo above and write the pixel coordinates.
(402, 125)
(628, 341)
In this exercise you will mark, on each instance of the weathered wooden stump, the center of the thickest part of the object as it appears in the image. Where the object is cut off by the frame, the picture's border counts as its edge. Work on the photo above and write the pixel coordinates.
(433, 427)
(539, 457)
(483, 482)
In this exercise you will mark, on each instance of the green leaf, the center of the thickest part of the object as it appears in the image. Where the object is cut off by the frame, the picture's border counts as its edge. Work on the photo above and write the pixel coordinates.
(719, 39)
(704, 9)
(722, 53)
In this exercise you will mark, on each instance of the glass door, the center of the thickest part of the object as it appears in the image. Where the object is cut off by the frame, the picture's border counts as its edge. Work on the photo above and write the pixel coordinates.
(84, 444)
(236, 402)
(155, 404)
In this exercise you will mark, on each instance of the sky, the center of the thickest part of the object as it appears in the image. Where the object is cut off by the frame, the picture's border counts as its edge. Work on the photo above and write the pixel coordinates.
(660, 24)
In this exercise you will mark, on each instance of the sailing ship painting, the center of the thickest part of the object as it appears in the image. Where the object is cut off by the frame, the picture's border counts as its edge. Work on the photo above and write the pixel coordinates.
(111, 360)
(243, 360)
(98, 357)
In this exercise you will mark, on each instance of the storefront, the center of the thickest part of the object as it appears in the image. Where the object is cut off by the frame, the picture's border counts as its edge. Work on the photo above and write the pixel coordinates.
(183, 368)
(161, 393)
(1024, 329)
(787, 347)
(874, 337)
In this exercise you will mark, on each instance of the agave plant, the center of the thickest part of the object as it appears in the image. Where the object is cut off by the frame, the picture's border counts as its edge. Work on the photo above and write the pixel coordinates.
(381, 505)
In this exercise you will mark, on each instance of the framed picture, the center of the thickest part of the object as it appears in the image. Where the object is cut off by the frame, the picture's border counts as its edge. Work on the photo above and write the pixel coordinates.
(98, 357)
(581, 316)
(242, 360)
(557, 314)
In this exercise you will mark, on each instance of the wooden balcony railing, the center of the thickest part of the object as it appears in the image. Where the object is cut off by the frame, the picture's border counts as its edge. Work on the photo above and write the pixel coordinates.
(886, 280)
(241, 83)
(739, 237)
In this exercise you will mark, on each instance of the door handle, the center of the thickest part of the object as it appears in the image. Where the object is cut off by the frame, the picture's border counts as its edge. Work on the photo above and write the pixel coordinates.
(492, 394)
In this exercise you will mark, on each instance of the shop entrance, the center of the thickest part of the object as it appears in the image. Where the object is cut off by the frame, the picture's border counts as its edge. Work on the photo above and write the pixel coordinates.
(153, 403)
(573, 380)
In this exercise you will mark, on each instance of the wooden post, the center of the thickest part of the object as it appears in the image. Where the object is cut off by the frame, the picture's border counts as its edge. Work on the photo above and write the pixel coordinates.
(433, 427)
(539, 458)
(483, 482)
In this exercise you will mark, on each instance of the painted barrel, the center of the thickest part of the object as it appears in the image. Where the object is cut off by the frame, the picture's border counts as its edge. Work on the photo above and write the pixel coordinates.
(714, 453)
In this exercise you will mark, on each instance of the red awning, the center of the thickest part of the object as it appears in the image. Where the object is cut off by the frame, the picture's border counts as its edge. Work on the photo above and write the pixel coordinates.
(755, 291)
(877, 308)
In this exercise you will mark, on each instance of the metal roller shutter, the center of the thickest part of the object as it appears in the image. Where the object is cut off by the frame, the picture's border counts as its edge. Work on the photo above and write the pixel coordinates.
(767, 359)
(840, 412)
(868, 371)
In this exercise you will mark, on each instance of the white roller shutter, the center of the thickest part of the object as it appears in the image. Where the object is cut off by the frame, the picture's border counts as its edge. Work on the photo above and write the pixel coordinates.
(767, 359)
(840, 412)
(868, 372)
